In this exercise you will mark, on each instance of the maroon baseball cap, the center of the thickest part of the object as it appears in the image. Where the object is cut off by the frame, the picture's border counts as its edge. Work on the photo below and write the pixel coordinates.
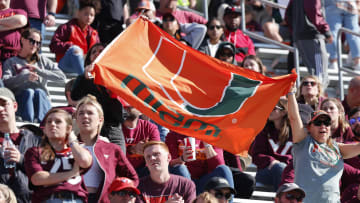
(123, 183)
(317, 114)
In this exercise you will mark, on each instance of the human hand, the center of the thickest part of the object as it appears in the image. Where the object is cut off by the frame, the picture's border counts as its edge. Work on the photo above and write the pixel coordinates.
(12, 154)
(49, 20)
(188, 154)
(33, 76)
(175, 199)
(88, 70)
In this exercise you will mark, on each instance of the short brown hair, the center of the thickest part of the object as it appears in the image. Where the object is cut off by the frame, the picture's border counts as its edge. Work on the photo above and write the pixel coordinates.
(151, 143)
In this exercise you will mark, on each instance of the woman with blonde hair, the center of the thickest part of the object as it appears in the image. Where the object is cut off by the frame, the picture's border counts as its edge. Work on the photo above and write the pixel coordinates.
(340, 128)
(310, 92)
(109, 160)
(55, 168)
(271, 150)
(6, 194)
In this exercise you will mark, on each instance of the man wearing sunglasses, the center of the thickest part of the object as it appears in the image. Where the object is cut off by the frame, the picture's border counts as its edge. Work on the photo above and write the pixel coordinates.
(289, 193)
(123, 190)
(354, 120)
(220, 188)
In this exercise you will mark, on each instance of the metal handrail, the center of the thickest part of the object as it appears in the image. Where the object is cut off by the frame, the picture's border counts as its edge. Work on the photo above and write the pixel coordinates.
(340, 65)
(268, 40)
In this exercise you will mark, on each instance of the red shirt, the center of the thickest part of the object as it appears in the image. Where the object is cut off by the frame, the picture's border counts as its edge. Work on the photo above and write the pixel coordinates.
(185, 17)
(241, 41)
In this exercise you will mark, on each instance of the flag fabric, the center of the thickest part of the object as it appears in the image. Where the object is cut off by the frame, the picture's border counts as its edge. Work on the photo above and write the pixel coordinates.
(187, 91)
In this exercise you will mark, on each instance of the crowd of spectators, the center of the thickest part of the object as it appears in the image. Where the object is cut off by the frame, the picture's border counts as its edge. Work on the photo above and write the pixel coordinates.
(101, 149)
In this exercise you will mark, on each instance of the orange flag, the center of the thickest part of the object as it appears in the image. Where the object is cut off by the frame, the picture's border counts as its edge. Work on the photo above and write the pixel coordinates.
(187, 91)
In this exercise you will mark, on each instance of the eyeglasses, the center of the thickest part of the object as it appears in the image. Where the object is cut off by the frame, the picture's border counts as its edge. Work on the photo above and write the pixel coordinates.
(220, 195)
(289, 196)
(123, 193)
(34, 42)
(212, 27)
(319, 122)
(306, 83)
(354, 120)
(278, 108)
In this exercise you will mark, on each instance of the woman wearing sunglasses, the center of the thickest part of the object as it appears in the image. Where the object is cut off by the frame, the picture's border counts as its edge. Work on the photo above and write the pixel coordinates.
(214, 36)
(318, 159)
(27, 75)
(310, 92)
(271, 150)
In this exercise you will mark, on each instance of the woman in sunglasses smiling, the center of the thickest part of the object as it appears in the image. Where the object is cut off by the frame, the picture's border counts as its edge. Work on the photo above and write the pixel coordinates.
(214, 36)
(310, 92)
(27, 75)
(318, 160)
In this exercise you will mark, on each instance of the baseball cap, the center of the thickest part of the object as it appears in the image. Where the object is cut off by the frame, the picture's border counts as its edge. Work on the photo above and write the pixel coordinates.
(286, 187)
(228, 46)
(232, 9)
(144, 4)
(320, 113)
(123, 183)
(6, 94)
(217, 183)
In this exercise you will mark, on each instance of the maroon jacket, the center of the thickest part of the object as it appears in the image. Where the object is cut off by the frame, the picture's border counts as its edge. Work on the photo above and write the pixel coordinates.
(265, 148)
(113, 163)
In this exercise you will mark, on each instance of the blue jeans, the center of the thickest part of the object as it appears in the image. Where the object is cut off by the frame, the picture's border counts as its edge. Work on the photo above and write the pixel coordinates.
(163, 131)
(32, 104)
(337, 18)
(73, 62)
(38, 24)
(1, 83)
(180, 170)
(272, 176)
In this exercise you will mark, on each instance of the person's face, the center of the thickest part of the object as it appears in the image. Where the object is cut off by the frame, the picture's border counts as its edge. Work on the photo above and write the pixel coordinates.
(331, 108)
(157, 158)
(95, 52)
(123, 196)
(7, 111)
(168, 6)
(309, 87)
(277, 113)
(226, 55)
(86, 15)
(56, 127)
(222, 195)
(232, 21)
(215, 30)
(170, 25)
(31, 44)
(354, 121)
(133, 113)
(289, 197)
(88, 118)
(320, 129)
(252, 65)
(4, 4)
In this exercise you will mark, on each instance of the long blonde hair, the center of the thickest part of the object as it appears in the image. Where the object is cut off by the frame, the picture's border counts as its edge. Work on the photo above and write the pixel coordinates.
(91, 100)
(47, 152)
(8, 194)
(343, 124)
(300, 98)
(285, 128)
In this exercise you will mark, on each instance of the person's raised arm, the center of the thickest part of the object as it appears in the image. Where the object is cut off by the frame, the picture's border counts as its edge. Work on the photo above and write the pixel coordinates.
(349, 150)
(46, 178)
(13, 22)
(297, 128)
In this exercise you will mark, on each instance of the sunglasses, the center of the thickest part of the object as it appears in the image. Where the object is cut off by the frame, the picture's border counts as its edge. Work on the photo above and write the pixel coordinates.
(168, 19)
(220, 195)
(278, 108)
(353, 120)
(34, 42)
(228, 54)
(320, 122)
(212, 27)
(123, 193)
(289, 196)
(306, 83)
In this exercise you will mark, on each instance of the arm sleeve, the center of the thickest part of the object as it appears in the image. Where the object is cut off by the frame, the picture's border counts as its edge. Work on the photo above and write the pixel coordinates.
(11, 79)
(195, 18)
(154, 133)
(60, 41)
(172, 141)
(313, 10)
(124, 167)
(190, 194)
(259, 151)
(50, 71)
(32, 162)
(216, 160)
(195, 33)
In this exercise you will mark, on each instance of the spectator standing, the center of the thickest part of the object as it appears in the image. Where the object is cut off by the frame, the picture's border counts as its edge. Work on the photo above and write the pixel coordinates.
(289, 192)
(123, 190)
(271, 150)
(170, 6)
(214, 36)
(108, 159)
(16, 179)
(55, 168)
(220, 188)
(27, 75)
(310, 31)
(337, 18)
(72, 40)
(243, 44)
(110, 103)
(352, 99)
(11, 22)
(160, 185)
(137, 132)
(41, 12)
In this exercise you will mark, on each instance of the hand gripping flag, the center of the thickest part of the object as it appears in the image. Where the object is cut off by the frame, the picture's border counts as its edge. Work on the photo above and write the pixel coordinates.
(187, 91)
